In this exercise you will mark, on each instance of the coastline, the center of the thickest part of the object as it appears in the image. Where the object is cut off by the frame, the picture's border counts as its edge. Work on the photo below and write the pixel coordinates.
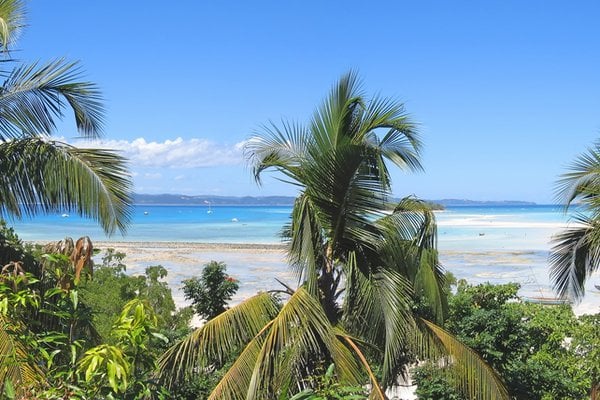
(191, 245)
(259, 266)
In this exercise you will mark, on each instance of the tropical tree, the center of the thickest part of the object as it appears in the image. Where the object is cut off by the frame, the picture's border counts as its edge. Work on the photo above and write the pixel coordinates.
(40, 174)
(366, 267)
(575, 255)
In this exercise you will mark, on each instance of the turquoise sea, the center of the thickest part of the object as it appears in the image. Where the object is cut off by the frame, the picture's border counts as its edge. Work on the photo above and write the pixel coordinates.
(478, 243)
(514, 226)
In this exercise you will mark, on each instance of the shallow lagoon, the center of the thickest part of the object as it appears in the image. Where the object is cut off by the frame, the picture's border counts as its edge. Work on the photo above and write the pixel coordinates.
(496, 244)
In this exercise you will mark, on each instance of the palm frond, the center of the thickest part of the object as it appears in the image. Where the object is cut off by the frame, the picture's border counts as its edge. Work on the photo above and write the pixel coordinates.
(302, 331)
(429, 283)
(16, 364)
(12, 13)
(335, 121)
(582, 181)
(50, 176)
(376, 391)
(218, 338)
(575, 256)
(344, 196)
(476, 379)
(280, 148)
(400, 144)
(378, 309)
(235, 382)
(305, 254)
(33, 97)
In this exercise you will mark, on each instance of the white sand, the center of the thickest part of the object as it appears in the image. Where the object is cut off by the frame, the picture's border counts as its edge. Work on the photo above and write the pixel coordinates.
(257, 266)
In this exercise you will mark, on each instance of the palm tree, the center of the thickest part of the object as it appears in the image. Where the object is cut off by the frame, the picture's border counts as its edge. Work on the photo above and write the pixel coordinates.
(361, 264)
(44, 175)
(575, 255)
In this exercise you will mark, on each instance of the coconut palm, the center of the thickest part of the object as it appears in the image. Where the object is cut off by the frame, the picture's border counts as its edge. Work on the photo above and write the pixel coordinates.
(361, 263)
(575, 255)
(44, 175)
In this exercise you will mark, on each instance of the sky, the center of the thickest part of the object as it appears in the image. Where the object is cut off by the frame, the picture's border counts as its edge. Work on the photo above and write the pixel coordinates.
(506, 93)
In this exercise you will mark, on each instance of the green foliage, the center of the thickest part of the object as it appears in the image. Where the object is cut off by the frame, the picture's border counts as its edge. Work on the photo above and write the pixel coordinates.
(327, 387)
(111, 288)
(586, 346)
(200, 385)
(528, 344)
(211, 291)
(12, 248)
(481, 318)
(434, 384)
(49, 347)
(126, 367)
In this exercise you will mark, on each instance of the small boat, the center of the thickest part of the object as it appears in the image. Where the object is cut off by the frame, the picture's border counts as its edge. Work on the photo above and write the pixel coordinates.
(65, 215)
(234, 220)
(597, 287)
(145, 212)
(482, 234)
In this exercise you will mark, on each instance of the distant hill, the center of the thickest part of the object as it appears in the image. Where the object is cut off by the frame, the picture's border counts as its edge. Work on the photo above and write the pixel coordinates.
(464, 202)
(180, 199)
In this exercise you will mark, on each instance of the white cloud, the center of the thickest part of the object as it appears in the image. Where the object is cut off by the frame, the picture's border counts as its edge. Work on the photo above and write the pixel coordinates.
(178, 153)
(151, 175)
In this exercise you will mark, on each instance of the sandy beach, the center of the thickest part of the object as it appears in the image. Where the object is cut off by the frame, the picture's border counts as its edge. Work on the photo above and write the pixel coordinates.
(256, 266)
(259, 266)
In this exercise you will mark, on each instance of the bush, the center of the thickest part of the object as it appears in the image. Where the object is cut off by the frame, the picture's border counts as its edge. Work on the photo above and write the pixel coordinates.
(212, 291)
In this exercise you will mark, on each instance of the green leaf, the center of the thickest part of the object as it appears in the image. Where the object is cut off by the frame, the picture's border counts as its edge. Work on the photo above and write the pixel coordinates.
(9, 390)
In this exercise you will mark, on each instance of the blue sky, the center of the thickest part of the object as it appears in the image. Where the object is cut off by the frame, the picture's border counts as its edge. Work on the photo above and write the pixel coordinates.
(507, 93)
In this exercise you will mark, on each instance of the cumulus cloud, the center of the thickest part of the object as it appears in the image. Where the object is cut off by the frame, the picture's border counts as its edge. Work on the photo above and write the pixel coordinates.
(178, 153)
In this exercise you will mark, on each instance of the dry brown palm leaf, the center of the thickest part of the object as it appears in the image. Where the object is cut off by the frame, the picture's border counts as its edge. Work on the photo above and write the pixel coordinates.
(80, 254)
(81, 257)
(65, 246)
(11, 271)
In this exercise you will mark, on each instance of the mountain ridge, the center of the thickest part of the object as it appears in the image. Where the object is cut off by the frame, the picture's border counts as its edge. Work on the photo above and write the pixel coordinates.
(180, 199)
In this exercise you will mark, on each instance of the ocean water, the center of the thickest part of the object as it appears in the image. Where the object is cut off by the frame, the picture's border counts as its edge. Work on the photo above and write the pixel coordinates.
(459, 228)
(478, 243)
